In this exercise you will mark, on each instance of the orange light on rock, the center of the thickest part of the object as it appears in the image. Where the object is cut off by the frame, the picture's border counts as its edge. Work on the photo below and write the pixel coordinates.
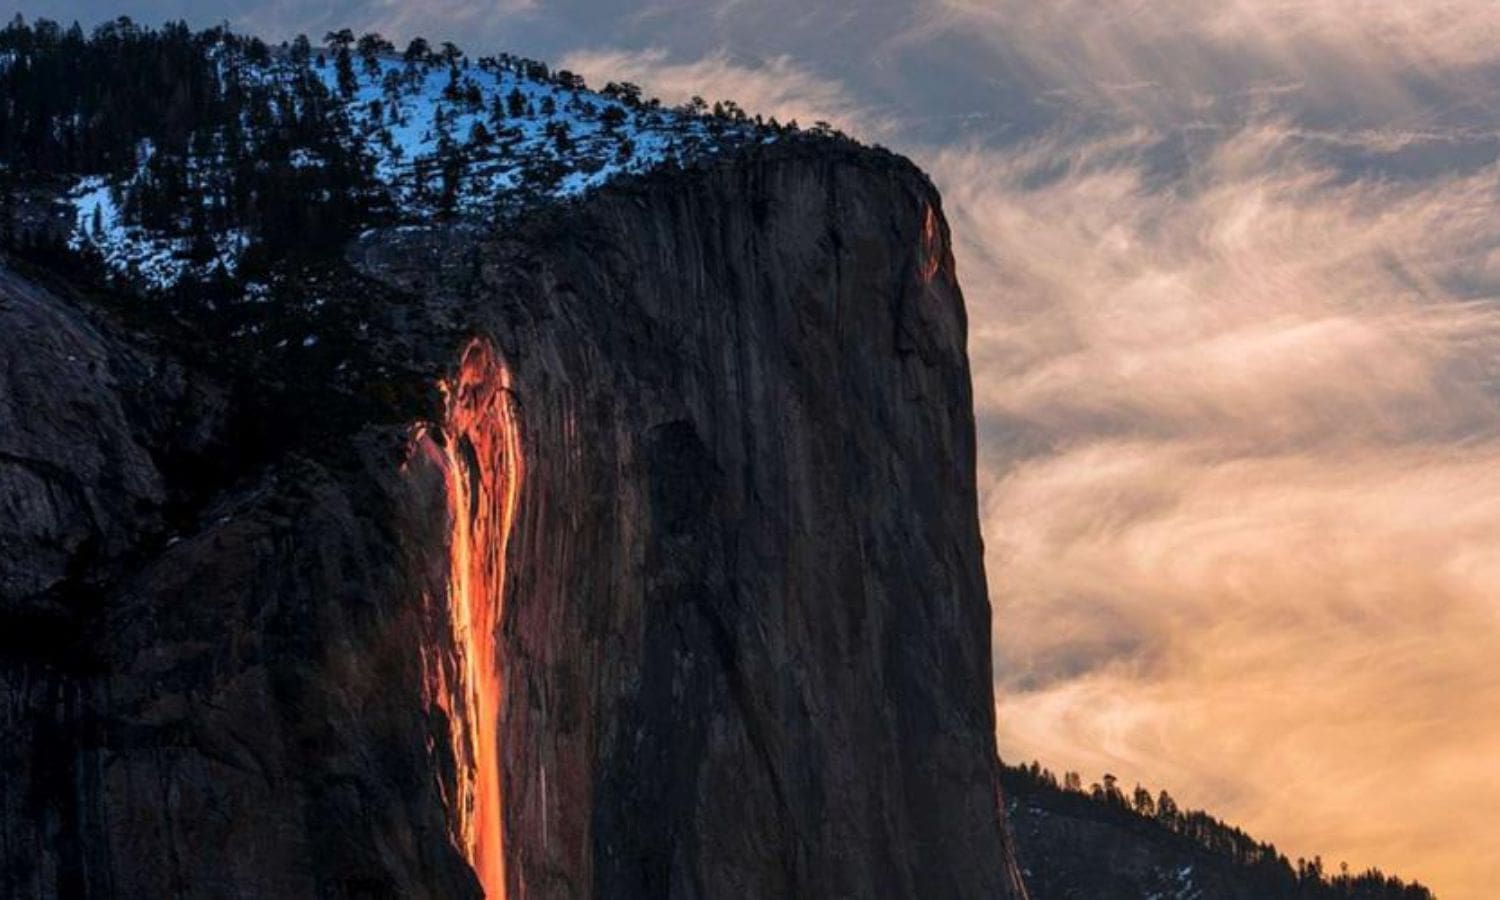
(482, 466)
(934, 251)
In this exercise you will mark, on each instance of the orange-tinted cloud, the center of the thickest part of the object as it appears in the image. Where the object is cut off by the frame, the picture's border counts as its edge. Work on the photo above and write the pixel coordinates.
(778, 86)
(1242, 485)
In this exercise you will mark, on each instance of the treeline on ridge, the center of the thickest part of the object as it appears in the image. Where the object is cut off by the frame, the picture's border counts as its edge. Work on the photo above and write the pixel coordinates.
(1273, 873)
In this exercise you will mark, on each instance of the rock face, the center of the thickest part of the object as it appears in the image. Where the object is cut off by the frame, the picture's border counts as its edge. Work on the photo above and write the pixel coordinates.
(207, 678)
(743, 638)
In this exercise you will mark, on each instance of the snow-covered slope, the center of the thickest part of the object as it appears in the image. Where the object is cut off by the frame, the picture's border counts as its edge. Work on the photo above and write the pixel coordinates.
(425, 136)
(517, 132)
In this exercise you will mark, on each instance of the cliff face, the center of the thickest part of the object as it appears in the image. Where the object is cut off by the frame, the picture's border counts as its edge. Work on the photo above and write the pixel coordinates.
(705, 460)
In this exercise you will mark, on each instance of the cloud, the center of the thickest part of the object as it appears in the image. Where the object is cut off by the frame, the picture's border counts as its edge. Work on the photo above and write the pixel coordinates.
(1241, 444)
(1176, 58)
(773, 87)
(478, 26)
(1266, 297)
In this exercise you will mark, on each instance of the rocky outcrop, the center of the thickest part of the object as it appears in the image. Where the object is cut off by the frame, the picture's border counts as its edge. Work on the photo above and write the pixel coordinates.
(744, 637)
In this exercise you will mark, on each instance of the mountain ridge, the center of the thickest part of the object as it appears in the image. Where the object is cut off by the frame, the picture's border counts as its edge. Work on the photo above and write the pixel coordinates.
(1100, 842)
(184, 154)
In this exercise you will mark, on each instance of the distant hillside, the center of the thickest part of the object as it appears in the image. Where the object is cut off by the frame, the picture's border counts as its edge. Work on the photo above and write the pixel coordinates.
(1100, 843)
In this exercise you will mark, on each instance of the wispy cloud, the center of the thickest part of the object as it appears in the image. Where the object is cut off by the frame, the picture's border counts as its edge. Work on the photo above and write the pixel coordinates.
(774, 87)
(1242, 445)
(1150, 58)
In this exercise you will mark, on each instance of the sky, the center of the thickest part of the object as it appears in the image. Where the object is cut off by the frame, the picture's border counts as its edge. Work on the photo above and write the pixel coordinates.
(1233, 274)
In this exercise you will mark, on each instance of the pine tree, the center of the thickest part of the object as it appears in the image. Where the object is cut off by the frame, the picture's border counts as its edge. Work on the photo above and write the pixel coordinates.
(562, 138)
(1144, 805)
(348, 82)
(371, 45)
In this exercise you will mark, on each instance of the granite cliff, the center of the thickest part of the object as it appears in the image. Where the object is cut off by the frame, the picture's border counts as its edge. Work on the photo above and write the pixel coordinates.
(635, 554)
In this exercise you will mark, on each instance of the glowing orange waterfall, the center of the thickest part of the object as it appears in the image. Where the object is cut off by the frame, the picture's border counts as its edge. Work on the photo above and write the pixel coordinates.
(932, 244)
(482, 465)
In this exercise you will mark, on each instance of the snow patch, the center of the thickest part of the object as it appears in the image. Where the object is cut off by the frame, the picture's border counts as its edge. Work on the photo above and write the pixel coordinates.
(460, 137)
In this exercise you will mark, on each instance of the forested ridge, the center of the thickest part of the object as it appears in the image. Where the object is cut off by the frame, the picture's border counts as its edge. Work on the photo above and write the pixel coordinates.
(1139, 816)
(210, 156)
